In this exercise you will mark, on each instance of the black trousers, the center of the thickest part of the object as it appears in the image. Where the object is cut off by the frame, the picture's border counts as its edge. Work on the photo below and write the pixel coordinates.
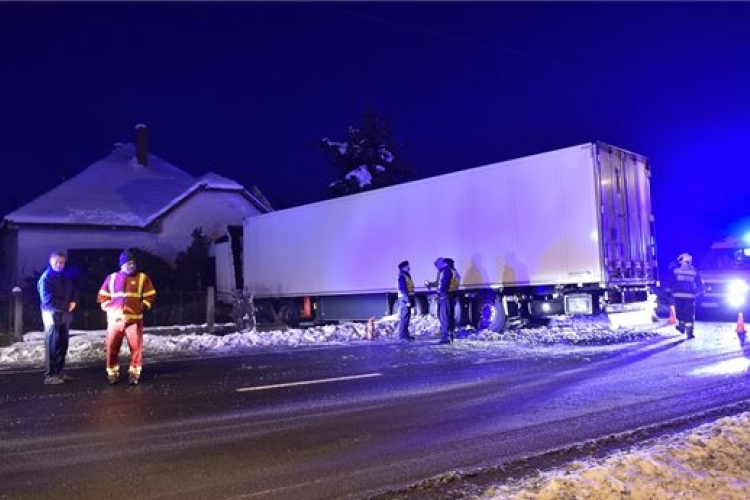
(684, 308)
(445, 315)
(56, 348)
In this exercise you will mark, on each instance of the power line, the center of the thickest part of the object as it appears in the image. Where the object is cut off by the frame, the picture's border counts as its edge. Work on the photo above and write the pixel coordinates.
(465, 40)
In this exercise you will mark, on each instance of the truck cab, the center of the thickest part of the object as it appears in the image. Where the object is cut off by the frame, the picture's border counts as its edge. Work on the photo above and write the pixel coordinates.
(725, 271)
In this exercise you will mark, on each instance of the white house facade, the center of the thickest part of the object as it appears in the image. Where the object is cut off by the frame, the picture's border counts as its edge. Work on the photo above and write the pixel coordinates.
(130, 198)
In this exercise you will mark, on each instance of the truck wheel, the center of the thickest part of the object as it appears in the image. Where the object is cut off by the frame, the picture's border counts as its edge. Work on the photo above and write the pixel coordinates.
(490, 314)
(461, 313)
(289, 315)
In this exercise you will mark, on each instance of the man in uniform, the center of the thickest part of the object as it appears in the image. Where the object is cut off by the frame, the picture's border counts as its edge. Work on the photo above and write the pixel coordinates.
(686, 285)
(405, 289)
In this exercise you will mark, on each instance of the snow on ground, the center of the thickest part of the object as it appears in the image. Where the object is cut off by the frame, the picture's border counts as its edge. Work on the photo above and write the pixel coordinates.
(708, 462)
(165, 342)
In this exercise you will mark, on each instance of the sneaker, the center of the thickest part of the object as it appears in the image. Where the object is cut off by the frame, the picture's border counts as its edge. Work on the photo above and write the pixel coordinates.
(53, 380)
(112, 379)
(66, 377)
(134, 379)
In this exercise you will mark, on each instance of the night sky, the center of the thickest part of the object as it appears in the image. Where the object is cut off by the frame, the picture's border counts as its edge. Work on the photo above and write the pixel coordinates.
(247, 90)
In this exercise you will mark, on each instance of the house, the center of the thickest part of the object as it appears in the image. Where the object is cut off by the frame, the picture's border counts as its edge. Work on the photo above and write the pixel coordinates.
(130, 198)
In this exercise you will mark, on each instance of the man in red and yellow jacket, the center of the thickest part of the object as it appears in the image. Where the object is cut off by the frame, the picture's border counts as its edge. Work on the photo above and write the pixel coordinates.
(124, 295)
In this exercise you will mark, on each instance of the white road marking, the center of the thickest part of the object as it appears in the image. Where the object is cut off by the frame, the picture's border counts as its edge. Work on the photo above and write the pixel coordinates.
(307, 382)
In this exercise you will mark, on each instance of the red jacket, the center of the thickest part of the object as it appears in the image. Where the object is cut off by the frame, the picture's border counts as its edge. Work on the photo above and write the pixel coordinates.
(124, 296)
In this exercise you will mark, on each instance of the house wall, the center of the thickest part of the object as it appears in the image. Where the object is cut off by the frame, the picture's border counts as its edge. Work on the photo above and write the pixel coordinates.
(210, 210)
(36, 243)
(28, 252)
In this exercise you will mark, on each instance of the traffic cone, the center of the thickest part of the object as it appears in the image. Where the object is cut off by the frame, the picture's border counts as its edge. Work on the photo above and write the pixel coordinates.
(672, 316)
(741, 327)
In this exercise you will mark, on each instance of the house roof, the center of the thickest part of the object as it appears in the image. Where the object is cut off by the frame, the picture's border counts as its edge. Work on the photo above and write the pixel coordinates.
(118, 191)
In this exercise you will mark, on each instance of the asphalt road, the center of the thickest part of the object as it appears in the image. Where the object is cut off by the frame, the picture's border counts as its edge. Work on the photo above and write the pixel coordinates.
(344, 422)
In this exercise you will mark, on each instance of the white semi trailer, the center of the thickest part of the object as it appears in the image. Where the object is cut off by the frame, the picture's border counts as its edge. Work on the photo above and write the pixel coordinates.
(568, 231)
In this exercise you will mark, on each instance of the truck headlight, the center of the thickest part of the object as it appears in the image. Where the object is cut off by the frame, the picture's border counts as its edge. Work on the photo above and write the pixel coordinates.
(737, 293)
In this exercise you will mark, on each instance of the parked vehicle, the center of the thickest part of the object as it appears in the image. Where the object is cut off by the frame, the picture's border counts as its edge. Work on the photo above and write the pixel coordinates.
(725, 271)
(568, 232)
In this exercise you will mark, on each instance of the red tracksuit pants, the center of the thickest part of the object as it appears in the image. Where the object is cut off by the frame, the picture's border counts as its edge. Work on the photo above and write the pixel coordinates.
(133, 331)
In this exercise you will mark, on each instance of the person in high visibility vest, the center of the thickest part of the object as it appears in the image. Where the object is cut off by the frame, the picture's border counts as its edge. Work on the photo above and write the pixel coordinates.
(405, 290)
(686, 286)
(453, 292)
(124, 296)
(446, 283)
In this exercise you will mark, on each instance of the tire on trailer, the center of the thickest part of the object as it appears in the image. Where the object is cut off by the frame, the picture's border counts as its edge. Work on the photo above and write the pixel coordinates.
(461, 312)
(489, 314)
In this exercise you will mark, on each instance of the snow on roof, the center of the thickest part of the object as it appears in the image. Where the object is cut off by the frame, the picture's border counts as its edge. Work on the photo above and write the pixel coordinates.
(117, 190)
(216, 181)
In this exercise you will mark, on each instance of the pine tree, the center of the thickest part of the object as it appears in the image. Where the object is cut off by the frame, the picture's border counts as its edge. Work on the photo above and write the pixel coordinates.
(367, 160)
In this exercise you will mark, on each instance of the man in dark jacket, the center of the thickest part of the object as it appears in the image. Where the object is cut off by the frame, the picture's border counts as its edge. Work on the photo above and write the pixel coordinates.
(57, 297)
(686, 286)
(446, 283)
(452, 292)
(405, 290)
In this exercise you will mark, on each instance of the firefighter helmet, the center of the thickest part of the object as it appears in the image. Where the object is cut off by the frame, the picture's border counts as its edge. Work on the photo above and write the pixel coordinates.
(685, 257)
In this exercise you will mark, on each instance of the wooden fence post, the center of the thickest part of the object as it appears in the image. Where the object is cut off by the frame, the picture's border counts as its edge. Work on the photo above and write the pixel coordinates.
(17, 315)
(210, 309)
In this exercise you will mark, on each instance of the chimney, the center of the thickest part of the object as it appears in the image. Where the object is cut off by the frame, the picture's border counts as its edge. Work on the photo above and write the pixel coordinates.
(141, 144)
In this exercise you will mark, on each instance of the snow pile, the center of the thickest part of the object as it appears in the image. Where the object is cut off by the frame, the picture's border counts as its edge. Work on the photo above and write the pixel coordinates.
(710, 461)
(169, 342)
(594, 330)
(166, 342)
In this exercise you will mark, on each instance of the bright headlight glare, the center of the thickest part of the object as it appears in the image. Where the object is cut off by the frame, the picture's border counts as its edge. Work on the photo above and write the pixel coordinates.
(737, 293)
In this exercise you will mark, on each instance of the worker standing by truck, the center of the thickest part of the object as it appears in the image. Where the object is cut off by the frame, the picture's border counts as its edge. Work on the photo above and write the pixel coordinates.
(686, 286)
(405, 290)
(446, 283)
(453, 292)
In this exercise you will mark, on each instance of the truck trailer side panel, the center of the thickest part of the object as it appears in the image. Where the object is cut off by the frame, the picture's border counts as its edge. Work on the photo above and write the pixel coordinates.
(530, 221)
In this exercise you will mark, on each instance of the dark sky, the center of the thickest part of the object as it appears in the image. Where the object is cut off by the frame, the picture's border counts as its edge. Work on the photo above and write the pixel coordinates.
(247, 89)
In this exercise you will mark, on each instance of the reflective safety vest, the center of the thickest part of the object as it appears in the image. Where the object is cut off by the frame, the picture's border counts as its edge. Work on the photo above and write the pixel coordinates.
(448, 281)
(125, 296)
(687, 282)
(455, 280)
(404, 285)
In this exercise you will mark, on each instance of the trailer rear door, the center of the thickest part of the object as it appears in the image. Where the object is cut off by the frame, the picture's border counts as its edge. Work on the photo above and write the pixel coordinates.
(628, 248)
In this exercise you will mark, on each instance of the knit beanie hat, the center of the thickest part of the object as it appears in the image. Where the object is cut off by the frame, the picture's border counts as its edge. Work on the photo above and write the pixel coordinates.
(126, 256)
(403, 264)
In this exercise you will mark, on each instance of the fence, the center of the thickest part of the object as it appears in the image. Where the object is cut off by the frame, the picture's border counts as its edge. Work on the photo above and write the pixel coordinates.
(171, 308)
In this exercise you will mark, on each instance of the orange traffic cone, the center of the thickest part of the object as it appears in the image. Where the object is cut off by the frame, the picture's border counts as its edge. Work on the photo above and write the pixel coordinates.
(672, 316)
(741, 327)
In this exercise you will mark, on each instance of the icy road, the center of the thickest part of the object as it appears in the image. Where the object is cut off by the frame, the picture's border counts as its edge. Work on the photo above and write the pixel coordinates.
(354, 421)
